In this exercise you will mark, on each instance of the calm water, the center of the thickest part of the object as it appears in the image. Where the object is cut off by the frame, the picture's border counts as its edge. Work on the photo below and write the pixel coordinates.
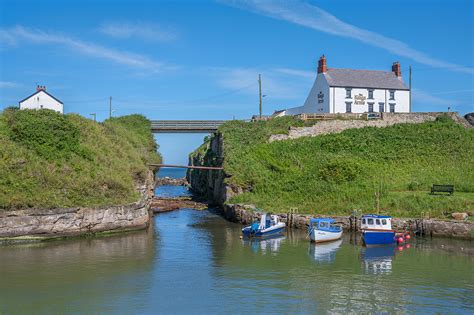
(195, 262)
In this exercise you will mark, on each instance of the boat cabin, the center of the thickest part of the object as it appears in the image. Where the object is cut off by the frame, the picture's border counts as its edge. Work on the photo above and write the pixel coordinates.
(268, 220)
(376, 222)
(324, 224)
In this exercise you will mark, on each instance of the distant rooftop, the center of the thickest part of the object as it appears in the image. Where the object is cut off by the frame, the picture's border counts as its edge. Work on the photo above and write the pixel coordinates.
(364, 79)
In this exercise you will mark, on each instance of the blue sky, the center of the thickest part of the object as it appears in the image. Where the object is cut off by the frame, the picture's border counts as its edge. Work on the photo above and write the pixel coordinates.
(201, 59)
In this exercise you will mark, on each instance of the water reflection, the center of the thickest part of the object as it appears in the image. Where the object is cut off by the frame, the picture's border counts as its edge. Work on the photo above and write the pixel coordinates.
(325, 252)
(57, 276)
(378, 260)
(265, 245)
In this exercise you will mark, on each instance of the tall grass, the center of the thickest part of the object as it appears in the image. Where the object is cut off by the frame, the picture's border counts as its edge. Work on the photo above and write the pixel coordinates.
(337, 173)
(52, 160)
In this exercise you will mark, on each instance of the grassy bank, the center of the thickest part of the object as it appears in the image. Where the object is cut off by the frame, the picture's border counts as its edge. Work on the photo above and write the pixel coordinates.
(334, 174)
(52, 160)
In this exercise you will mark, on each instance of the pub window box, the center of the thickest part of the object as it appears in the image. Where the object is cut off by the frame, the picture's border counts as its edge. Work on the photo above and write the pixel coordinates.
(348, 93)
(371, 95)
(392, 107)
(348, 107)
(392, 95)
(371, 107)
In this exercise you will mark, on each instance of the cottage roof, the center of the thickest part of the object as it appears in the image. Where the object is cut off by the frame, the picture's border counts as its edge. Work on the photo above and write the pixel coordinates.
(37, 93)
(364, 79)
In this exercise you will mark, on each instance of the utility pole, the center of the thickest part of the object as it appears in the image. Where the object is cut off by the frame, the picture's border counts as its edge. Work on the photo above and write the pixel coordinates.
(94, 115)
(260, 93)
(410, 89)
(110, 107)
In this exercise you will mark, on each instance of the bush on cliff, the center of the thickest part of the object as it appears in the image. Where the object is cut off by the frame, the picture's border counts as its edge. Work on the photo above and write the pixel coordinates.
(53, 160)
(336, 173)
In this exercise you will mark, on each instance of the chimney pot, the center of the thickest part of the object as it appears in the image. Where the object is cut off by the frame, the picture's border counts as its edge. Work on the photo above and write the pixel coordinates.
(396, 69)
(322, 67)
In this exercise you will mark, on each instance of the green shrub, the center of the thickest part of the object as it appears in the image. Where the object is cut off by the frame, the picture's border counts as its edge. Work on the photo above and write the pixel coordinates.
(334, 173)
(53, 160)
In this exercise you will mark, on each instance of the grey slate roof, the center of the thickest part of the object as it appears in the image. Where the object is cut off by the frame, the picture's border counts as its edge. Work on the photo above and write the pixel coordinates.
(364, 79)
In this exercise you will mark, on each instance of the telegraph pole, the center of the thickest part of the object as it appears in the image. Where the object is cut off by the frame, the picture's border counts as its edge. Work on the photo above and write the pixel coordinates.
(260, 93)
(410, 88)
(110, 107)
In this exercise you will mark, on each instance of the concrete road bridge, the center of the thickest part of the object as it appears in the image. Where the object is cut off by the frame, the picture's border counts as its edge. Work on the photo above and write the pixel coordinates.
(185, 126)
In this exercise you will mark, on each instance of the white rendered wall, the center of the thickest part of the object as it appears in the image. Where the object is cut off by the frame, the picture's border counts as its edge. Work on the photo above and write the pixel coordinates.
(312, 104)
(42, 100)
(338, 100)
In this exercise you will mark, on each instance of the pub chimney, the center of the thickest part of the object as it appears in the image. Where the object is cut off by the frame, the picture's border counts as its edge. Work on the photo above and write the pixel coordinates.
(322, 67)
(396, 69)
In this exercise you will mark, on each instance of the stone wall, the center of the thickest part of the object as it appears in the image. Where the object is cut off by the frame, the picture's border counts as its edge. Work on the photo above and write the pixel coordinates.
(388, 119)
(31, 224)
(246, 214)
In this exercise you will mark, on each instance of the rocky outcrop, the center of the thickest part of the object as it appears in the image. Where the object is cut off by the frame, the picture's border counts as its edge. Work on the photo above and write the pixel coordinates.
(245, 214)
(210, 184)
(37, 224)
(388, 119)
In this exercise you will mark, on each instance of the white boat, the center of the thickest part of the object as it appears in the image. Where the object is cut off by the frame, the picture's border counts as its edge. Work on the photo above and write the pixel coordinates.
(269, 225)
(324, 230)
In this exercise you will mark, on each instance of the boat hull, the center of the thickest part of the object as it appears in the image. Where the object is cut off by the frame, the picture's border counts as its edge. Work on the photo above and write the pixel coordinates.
(319, 236)
(271, 231)
(378, 237)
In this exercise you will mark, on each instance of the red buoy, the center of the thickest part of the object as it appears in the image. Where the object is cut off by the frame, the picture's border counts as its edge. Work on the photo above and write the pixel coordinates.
(400, 240)
(407, 236)
(407, 246)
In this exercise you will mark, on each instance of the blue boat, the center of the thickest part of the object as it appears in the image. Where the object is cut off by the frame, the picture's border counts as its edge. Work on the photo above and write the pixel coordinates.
(377, 230)
(324, 230)
(269, 225)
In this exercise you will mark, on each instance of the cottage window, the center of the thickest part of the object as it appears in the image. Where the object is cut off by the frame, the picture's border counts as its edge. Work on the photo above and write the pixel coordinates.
(370, 221)
(381, 107)
(371, 95)
(348, 93)
(392, 108)
(377, 221)
(392, 95)
(371, 107)
(348, 107)
(384, 222)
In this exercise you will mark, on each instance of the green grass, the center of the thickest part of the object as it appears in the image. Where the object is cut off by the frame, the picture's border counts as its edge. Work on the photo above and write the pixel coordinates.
(335, 174)
(50, 160)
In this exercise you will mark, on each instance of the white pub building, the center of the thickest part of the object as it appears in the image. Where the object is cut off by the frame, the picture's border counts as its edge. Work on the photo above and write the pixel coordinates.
(355, 91)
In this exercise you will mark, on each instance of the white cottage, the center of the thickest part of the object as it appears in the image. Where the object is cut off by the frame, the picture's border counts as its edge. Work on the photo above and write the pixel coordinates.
(356, 91)
(42, 100)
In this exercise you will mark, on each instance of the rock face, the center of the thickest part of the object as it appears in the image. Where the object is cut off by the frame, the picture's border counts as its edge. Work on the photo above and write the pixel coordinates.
(210, 184)
(50, 223)
(388, 119)
(432, 227)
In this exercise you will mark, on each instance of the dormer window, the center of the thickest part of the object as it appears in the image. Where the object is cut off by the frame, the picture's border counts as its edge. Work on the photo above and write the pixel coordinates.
(371, 95)
(348, 93)
(392, 95)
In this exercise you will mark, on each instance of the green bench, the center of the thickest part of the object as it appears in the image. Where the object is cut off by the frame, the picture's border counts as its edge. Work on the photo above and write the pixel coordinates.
(442, 189)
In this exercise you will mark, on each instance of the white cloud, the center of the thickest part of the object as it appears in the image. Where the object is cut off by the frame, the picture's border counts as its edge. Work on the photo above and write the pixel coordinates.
(310, 16)
(140, 30)
(423, 97)
(6, 84)
(17, 35)
(279, 83)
